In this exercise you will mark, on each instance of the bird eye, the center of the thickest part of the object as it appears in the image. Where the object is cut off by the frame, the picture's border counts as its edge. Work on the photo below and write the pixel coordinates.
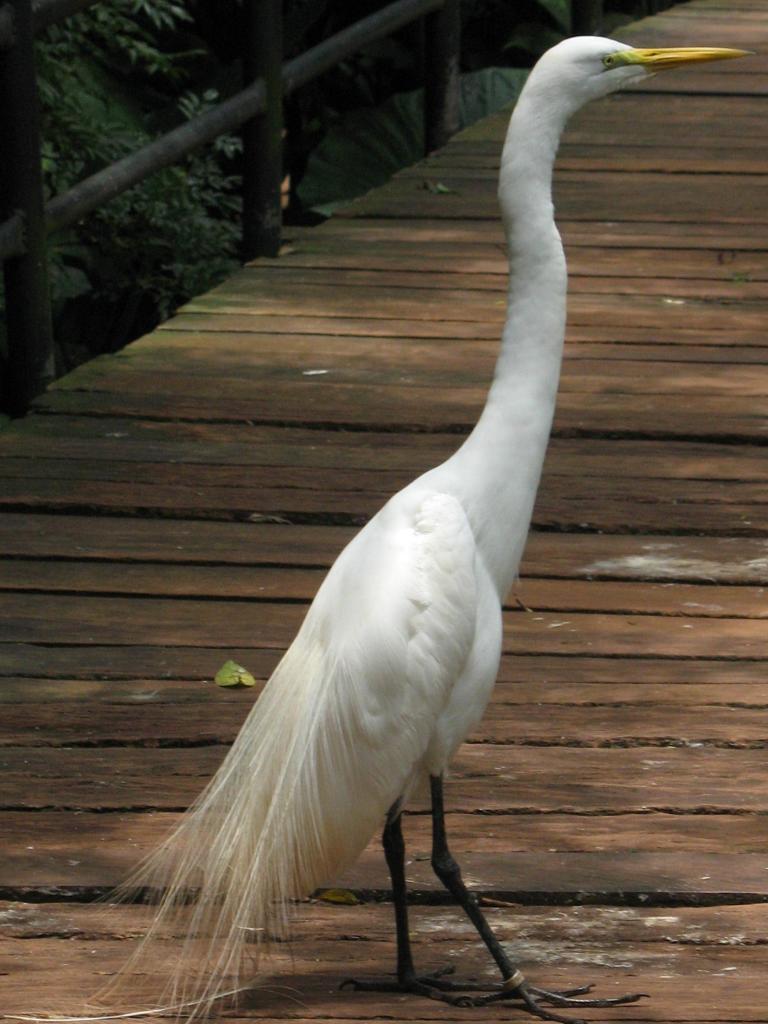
(609, 61)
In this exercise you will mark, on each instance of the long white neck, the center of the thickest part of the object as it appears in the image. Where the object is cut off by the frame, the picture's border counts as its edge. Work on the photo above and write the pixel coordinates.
(500, 462)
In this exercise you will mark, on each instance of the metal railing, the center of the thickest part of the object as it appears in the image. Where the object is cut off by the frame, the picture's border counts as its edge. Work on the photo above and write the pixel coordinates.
(256, 110)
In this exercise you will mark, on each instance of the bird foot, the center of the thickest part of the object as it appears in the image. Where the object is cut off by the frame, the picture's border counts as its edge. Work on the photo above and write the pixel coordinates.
(532, 997)
(437, 986)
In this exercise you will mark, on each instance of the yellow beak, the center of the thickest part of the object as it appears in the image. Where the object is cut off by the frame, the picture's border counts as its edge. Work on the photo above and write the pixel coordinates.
(676, 57)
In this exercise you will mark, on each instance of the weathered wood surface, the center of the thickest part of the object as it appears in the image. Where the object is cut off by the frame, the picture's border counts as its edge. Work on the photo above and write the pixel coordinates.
(695, 960)
(178, 503)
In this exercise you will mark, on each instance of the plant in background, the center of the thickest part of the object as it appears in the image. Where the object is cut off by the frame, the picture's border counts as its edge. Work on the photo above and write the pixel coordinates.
(109, 79)
(368, 146)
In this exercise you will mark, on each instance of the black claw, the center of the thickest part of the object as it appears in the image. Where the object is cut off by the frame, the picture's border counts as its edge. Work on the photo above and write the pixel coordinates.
(579, 990)
(539, 1011)
(434, 987)
(566, 998)
(530, 996)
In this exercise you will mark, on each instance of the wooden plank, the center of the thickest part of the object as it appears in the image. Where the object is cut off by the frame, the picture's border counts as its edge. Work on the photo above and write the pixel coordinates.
(712, 836)
(29, 661)
(426, 360)
(47, 852)
(705, 234)
(275, 280)
(174, 542)
(585, 196)
(188, 542)
(652, 117)
(585, 313)
(401, 311)
(713, 417)
(725, 926)
(610, 941)
(338, 381)
(466, 262)
(484, 168)
(491, 780)
(287, 584)
(139, 724)
(521, 680)
(237, 349)
(710, 369)
(358, 458)
(411, 294)
(369, 455)
(705, 468)
(661, 30)
(590, 131)
(636, 509)
(101, 661)
(455, 412)
(696, 157)
(685, 983)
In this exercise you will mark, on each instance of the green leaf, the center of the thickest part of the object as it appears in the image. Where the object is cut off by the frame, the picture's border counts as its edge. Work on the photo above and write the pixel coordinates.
(232, 674)
(368, 146)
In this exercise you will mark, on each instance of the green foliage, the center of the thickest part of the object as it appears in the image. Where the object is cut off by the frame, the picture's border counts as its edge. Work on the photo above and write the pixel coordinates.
(367, 146)
(108, 78)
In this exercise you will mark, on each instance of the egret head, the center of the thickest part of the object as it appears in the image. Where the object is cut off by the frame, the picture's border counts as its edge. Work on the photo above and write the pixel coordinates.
(584, 68)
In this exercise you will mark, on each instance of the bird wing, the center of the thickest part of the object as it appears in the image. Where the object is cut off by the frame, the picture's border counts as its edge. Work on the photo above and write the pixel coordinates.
(397, 618)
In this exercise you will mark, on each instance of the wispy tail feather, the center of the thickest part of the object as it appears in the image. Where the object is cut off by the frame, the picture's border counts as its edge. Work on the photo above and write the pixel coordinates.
(287, 811)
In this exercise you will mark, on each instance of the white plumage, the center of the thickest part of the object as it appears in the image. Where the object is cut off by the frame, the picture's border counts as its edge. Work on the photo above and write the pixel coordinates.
(396, 658)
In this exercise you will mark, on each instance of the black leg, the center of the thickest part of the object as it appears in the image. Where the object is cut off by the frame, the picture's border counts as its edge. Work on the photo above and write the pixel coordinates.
(514, 985)
(394, 852)
(436, 986)
(432, 985)
(449, 873)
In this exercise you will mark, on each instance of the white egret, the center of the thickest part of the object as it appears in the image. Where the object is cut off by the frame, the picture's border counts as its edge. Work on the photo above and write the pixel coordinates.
(397, 656)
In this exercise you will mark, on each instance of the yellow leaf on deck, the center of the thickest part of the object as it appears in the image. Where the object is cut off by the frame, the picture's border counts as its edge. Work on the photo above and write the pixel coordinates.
(338, 896)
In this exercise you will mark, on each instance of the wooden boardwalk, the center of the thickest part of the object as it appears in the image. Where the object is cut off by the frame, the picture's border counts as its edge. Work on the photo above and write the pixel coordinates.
(176, 505)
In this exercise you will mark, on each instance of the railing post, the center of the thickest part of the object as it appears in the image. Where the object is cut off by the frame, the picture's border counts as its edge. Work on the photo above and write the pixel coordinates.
(27, 299)
(263, 136)
(586, 17)
(442, 40)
